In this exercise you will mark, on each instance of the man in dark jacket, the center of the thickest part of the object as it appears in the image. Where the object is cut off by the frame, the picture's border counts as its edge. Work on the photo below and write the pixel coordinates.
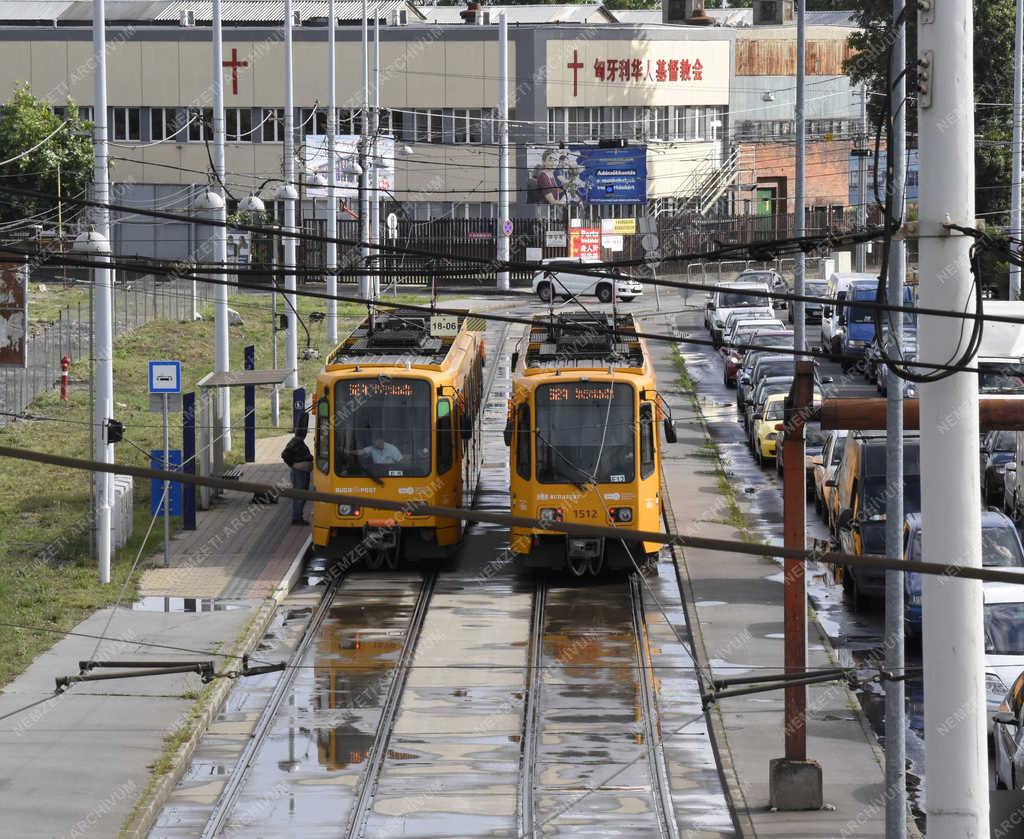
(300, 460)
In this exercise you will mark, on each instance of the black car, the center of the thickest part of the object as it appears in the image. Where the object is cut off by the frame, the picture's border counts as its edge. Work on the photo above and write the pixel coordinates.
(812, 311)
(997, 449)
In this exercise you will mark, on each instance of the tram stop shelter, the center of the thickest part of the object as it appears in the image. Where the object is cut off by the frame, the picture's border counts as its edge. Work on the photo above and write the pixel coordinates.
(211, 447)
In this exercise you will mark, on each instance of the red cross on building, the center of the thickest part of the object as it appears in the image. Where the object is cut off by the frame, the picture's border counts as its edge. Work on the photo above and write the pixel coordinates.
(575, 66)
(234, 64)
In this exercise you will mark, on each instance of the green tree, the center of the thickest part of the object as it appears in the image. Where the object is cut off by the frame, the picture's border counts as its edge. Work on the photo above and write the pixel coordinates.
(25, 122)
(993, 84)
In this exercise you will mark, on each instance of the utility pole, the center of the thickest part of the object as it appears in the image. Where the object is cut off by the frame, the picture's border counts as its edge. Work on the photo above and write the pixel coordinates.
(222, 358)
(956, 761)
(102, 278)
(895, 712)
(503, 173)
(794, 781)
(332, 178)
(365, 281)
(290, 197)
(374, 160)
(1018, 96)
(860, 252)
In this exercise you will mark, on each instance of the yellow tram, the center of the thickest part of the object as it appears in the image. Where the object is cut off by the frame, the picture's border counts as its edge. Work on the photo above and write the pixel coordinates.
(396, 409)
(584, 447)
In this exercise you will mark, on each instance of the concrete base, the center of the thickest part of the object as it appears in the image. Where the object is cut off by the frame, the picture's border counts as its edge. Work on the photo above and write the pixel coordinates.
(794, 784)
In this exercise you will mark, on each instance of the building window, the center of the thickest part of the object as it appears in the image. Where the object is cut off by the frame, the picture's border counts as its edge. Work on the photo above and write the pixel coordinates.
(312, 121)
(163, 123)
(238, 125)
(200, 126)
(556, 125)
(125, 123)
(427, 126)
(467, 125)
(272, 125)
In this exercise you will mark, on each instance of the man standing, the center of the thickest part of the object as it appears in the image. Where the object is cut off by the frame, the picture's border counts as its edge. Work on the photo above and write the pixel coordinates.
(300, 460)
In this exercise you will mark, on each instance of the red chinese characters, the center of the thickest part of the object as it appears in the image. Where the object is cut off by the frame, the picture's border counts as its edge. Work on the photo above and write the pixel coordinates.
(658, 71)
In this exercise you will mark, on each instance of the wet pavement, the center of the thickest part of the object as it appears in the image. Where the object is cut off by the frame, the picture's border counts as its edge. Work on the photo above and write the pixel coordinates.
(453, 758)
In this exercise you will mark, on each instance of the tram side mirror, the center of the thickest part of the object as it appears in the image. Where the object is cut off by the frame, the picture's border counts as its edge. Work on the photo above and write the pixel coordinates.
(508, 432)
(670, 430)
(466, 426)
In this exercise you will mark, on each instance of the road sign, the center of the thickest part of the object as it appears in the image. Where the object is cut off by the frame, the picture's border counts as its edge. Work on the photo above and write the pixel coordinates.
(506, 227)
(649, 242)
(534, 254)
(156, 461)
(444, 325)
(165, 377)
(555, 239)
(156, 403)
(612, 241)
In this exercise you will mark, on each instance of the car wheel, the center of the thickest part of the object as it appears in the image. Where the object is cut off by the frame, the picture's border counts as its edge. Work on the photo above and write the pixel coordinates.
(725, 377)
(544, 292)
(778, 463)
(604, 293)
(627, 299)
(760, 458)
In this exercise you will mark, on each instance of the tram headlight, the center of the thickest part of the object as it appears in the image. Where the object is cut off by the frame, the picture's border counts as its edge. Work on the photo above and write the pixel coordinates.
(349, 510)
(621, 515)
(550, 515)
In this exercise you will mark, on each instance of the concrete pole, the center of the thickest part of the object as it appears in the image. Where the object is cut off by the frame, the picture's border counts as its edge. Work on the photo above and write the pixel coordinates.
(365, 285)
(222, 359)
(895, 711)
(860, 252)
(374, 173)
(1018, 95)
(291, 336)
(956, 762)
(503, 173)
(799, 175)
(102, 280)
(332, 177)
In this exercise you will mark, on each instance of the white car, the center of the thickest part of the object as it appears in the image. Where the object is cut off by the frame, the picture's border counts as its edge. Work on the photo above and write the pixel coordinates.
(1008, 738)
(1004, 642)
(559, 279)
(726, 299)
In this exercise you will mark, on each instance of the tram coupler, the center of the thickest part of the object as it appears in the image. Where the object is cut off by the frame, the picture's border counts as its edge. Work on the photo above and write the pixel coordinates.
(584, 548)
(380, 538)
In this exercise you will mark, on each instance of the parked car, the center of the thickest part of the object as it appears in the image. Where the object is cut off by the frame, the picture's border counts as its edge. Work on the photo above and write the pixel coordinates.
(743, 332)
(859, 503)
(747, 377)
(728, 298)
(763, 434)
(1008, 737)
(1001, 547)
(1004, 642)
(1010, 505)
(833, 316)
(998, 448)
(812, 311)
(559, 279)
(772, 278)
(767, 386)
(814, 443)
(877, 370)
(825, 466)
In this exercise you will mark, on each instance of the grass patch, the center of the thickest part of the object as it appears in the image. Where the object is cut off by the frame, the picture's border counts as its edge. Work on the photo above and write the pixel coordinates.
(48, 306)
(47, 578)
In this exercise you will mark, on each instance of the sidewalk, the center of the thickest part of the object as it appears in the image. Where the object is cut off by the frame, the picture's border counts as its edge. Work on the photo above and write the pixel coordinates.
(77, 764)
(734, 610)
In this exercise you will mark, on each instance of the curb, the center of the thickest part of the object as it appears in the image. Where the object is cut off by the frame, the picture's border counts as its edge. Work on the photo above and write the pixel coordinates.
(146, 815)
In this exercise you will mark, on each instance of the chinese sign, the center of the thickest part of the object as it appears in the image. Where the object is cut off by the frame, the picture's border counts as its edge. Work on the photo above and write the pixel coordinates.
(580, 174)
(638, 72)
(13, 315)
(346, 152)
(585, 242)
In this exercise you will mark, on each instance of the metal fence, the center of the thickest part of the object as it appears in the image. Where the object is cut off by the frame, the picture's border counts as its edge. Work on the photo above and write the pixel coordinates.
(134, 304)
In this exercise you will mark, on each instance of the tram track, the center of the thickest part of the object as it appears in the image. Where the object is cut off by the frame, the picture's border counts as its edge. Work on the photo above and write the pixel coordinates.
(526, 820)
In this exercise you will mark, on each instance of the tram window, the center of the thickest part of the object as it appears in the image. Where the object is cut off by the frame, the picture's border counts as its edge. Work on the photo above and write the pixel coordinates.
(646, 440)
(323, 435)
(382, 427)
(523, 442)
(445, 450)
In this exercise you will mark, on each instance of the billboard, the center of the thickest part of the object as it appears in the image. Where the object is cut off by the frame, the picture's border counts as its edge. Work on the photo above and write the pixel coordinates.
(585, 242)
(346, 151)
(580, 174)
(13, 315)
(869, 169)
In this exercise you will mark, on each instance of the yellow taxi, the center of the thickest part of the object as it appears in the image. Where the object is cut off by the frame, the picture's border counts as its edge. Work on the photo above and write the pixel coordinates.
(764, 434)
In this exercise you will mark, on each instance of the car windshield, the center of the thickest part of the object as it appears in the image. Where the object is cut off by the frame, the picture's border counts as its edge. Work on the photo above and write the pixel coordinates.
(999, 548)
(861, 314)
(1004, 628)
(1003, 441)
(774, 410)
(737, 300)
(382, 427)
(875, 494)
(812, 289)
(814, 437)
(1001, 378)
(585, 429)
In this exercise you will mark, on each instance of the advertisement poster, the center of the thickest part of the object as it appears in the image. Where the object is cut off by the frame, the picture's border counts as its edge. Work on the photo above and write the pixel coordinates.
(346, 151)
(13, 315)
(586, 175)
(585, 242)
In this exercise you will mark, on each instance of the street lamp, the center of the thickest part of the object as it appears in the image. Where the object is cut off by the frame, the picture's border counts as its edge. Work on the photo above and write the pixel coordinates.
(252, 204)
(209, 203)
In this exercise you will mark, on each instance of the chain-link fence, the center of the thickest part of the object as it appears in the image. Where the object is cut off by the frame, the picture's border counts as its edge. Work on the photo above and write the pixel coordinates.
(134, 305)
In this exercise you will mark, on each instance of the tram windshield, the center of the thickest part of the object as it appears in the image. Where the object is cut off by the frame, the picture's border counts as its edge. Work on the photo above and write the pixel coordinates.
(382, 427)
(585, 430)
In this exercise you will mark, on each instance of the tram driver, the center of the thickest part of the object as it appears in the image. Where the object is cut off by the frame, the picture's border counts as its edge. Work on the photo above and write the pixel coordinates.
(380, 452)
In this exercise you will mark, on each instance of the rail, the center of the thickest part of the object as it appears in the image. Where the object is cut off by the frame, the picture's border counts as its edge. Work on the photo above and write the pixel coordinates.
(526, 816)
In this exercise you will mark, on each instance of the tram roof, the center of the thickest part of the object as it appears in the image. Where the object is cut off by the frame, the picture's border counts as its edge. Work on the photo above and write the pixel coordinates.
(584, 340)
(398, 337)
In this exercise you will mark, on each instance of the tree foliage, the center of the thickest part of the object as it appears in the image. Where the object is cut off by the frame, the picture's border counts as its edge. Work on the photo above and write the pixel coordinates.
(993, 84)
(25, 122)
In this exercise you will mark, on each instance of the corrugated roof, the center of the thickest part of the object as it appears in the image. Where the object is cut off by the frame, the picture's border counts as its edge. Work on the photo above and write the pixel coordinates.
(33, 9)
(272, 11)
(538, 13)
(637, 16)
